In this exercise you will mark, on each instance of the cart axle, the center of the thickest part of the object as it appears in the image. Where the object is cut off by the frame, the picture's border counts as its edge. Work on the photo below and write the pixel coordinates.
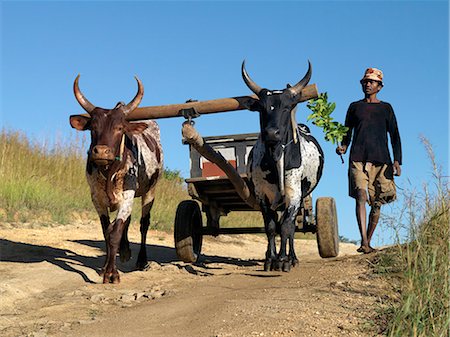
(250, 230)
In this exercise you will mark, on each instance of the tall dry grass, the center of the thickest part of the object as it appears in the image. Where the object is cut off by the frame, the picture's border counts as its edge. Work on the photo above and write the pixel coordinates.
(43, 183)
(37, 181)
(421, 264)
(46, 183)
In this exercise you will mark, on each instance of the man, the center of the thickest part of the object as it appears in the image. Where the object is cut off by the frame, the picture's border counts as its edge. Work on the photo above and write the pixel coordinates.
(370, 166)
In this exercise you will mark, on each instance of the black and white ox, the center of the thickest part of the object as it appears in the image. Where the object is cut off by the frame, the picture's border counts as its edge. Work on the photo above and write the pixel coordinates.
(124, 162)
(284, 166)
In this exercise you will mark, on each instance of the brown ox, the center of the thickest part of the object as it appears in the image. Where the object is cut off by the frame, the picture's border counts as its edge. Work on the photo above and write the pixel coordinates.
(124, 162)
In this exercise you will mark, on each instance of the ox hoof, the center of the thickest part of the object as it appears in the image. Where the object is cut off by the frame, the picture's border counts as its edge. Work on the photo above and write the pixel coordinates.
(268, 264)
(111, 278)
(142, 261)
(294, 262)
(141, 265)
(271, 264)
(125, 254)
(277, 265)
(286, 266)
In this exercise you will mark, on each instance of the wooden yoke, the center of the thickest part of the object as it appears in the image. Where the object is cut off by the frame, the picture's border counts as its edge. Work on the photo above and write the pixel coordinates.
(205, 107)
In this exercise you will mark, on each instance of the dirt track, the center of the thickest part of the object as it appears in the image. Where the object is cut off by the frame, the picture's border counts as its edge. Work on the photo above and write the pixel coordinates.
(49, 287)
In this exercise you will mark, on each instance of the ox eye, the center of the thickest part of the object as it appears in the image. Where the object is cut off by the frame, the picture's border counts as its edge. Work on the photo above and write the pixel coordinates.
(271, 107)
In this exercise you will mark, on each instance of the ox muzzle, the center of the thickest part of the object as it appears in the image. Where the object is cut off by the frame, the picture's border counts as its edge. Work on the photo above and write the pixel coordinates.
(273, 144)
(272, 135)
(102, 155)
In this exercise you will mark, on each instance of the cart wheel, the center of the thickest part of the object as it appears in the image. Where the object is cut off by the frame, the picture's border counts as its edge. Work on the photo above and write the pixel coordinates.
(327, 229)
(187, 233)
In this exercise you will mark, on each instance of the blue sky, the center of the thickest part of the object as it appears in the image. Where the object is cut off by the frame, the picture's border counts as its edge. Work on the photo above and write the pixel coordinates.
(188, 49)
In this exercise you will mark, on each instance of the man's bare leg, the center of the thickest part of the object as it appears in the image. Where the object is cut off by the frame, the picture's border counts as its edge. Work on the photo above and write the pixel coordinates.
(374, 216)
(361, 199)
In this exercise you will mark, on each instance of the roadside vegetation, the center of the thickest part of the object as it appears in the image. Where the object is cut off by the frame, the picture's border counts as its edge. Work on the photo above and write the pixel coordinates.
(418, 265)
(45, 183)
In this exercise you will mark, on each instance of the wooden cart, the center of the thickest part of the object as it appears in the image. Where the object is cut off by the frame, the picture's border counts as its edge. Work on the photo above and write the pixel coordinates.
(214, 193)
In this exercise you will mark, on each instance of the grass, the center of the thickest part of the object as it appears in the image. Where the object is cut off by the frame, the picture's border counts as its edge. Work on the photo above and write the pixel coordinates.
(419, 267)
(43, 183)
(40, 183)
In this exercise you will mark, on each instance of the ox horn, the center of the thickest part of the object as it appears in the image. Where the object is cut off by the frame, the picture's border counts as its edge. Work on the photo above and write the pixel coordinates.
(296, 89)
(85, 104)
(136, 100)
(252, 85)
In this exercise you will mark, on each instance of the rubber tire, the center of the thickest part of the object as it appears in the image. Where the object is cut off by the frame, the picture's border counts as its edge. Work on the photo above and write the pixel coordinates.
(327, 227)
(187, 231)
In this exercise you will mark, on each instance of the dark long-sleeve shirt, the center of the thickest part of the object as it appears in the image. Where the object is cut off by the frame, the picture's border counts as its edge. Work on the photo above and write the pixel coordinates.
(370, 123)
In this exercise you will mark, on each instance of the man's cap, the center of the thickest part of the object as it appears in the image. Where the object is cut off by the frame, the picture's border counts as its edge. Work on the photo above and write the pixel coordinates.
(373, 74)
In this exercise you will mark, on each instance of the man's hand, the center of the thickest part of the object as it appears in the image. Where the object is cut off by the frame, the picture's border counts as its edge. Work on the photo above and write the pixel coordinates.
(397, 169)
(341, 149)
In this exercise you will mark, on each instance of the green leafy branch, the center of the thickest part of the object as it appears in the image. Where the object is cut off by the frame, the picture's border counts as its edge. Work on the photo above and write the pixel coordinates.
(321, 117)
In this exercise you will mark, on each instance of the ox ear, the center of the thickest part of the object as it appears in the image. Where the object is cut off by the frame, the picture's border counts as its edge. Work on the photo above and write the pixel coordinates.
(249, 103)
(80, 122)
(135, 128)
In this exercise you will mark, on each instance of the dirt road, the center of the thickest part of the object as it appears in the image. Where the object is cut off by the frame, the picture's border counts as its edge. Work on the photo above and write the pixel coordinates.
(49, 287)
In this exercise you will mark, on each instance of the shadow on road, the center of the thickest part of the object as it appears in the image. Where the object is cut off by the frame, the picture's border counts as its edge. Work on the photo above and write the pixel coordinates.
(19, 252)
(66, 259)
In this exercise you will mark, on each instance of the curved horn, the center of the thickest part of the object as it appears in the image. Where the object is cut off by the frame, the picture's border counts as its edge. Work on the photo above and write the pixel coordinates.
(296, 89)
(252, 85)
(85, 104)
(136, 100)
